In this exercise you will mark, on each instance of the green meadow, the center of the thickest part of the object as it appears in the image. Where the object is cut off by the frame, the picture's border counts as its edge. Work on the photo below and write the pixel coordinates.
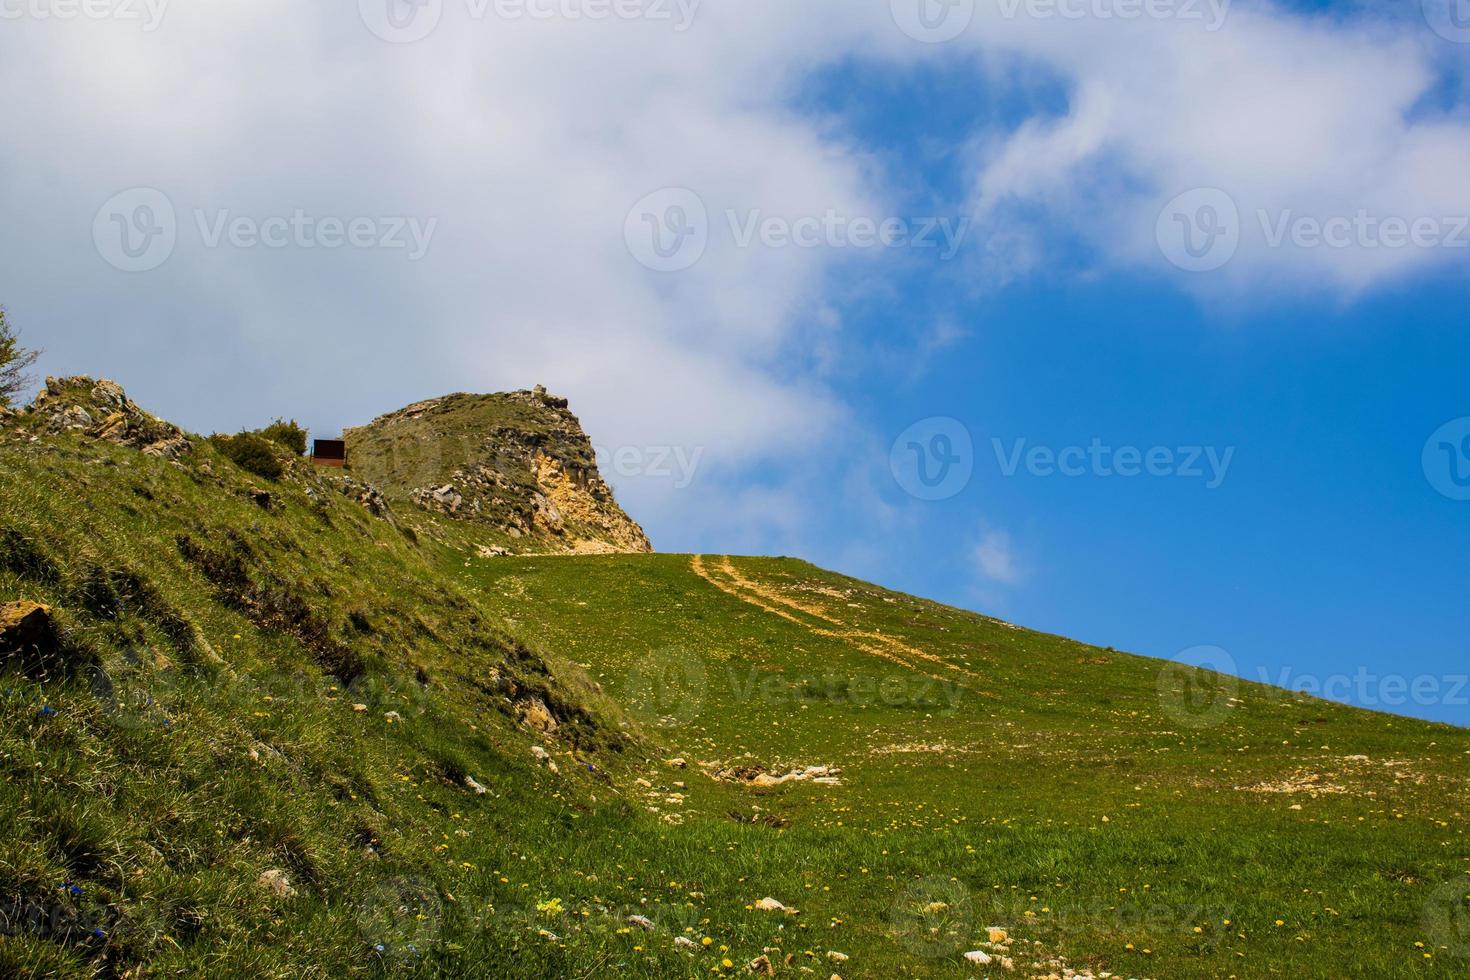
(282, 735)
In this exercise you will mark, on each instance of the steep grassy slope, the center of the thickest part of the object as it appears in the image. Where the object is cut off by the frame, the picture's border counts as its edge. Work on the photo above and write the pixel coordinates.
(260, 746)
(1138, 818)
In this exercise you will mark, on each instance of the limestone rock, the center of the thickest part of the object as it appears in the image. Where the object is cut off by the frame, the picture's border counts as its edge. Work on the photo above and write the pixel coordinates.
(769, 904)
(536, 716)
(518, 462)
(276, 882)
(101, 410)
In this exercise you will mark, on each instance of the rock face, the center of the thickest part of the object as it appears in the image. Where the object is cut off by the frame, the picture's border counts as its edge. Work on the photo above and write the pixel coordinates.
(518, 463)
(101, 410)
(28, 635)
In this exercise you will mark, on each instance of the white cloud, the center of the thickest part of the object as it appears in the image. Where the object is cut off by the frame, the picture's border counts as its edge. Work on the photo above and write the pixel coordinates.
(529, 140)
(995, 559)
(1291, 117)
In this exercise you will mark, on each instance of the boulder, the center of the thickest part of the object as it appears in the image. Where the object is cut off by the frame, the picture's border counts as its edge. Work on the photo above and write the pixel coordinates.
(769, 904)
(29, 635)
(276, 882)
(536, 716)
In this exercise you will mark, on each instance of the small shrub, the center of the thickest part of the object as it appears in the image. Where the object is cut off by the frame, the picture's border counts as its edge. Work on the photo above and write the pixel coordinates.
(287, 434)
(14, 361)
(251, 453)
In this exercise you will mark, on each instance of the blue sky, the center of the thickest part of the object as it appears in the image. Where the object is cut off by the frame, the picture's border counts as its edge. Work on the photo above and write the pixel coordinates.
(1133, 222)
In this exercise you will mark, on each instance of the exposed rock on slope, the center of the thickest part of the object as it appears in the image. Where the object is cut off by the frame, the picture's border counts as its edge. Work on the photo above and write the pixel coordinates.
(100, 409)
(518, 463)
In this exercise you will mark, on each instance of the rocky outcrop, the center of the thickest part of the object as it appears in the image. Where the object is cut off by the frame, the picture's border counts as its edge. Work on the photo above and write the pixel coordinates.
(518, 463)
(28, 636)
(101, 410)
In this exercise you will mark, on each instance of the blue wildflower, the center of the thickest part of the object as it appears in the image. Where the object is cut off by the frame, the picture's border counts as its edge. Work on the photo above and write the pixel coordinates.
(46, 711)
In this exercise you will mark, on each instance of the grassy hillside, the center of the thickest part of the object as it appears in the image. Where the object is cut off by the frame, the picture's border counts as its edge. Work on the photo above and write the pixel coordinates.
(286, 731)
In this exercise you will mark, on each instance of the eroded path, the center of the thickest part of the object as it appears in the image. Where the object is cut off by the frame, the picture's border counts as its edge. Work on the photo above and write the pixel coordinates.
(821, 621)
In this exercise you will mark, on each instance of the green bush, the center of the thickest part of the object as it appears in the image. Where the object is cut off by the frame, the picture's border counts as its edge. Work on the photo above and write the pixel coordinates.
(252, 453)
(287, 434)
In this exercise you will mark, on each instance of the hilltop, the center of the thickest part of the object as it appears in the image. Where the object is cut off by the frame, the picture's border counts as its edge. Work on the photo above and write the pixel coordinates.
(303, 725)
(517, 464)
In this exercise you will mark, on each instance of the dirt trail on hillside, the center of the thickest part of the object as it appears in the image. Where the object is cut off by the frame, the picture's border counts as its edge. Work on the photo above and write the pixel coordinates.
(728, 579)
